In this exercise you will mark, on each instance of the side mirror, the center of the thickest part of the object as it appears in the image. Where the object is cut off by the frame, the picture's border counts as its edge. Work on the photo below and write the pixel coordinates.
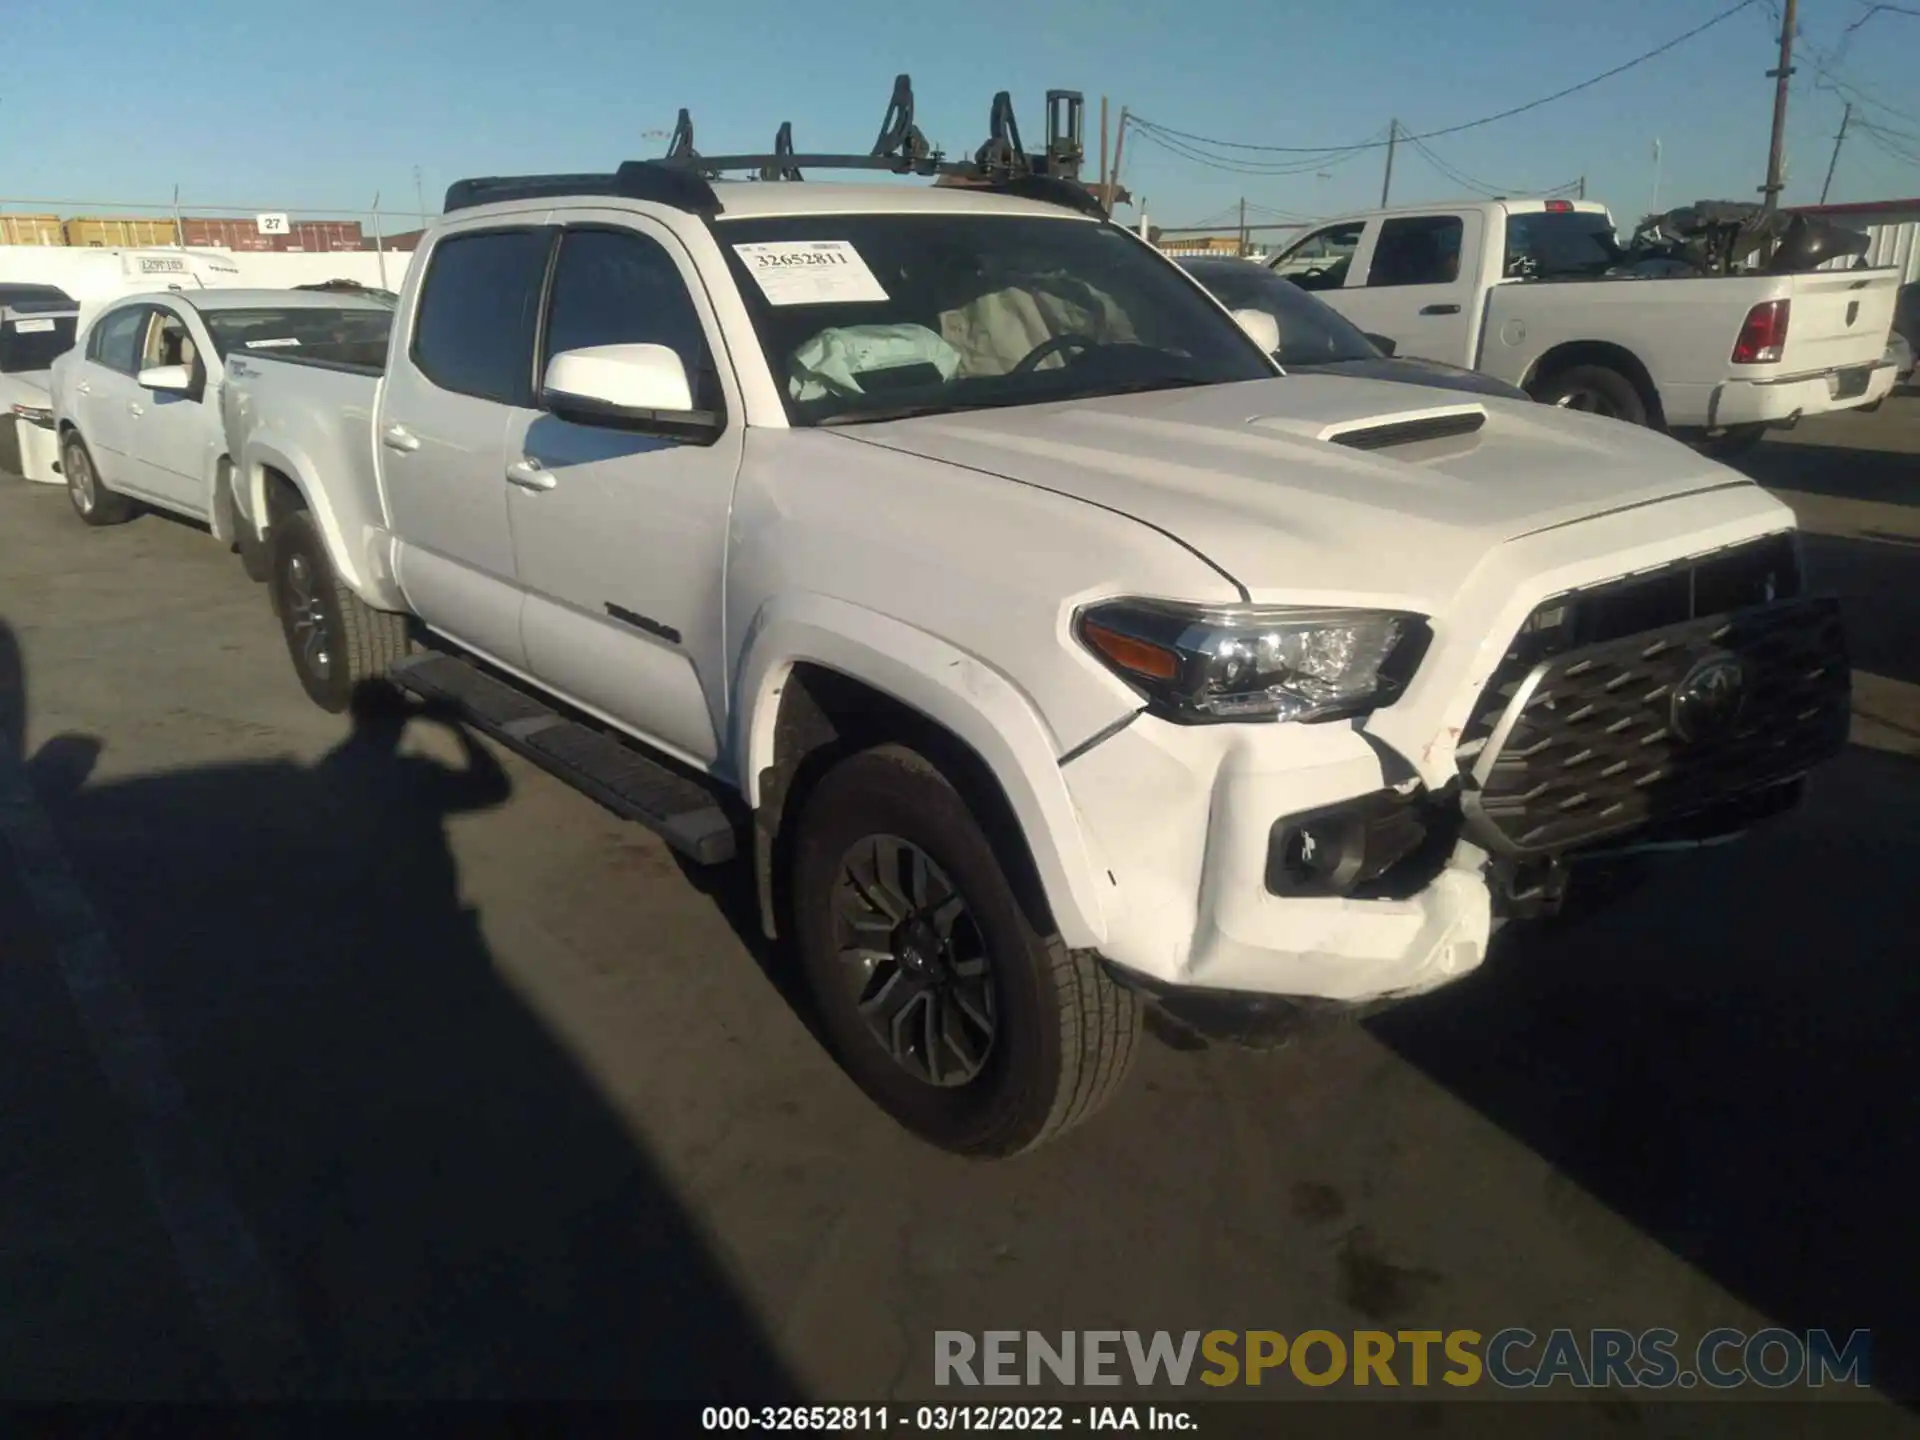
(1385, 344)
(627, 387)
(1264, 329)
(175, 378)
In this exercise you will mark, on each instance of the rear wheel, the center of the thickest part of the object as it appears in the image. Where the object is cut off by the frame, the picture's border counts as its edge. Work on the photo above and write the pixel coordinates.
(92, 501)
(939, 995)
(1596, 389)
(336, 640)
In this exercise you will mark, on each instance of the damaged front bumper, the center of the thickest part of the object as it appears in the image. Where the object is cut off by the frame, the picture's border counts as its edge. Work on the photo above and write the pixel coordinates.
(1266, 877)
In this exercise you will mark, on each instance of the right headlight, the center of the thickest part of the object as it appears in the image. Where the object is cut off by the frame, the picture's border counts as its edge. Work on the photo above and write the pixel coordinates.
(1199, 664)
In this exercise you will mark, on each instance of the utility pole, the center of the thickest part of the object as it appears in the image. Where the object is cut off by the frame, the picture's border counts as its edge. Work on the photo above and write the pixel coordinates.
(1583, 187)
(1105, 198)
(420, 196)
(1776, 153)
(1119, 145)
(1386, 184)
(1241, 251)
(1838, 140)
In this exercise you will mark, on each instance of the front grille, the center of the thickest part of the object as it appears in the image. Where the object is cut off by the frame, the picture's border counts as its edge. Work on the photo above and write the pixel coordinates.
(1611, 737)
(1757, 572)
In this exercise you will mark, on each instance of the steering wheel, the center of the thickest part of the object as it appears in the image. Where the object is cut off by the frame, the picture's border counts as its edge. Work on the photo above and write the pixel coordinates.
(1053, 346)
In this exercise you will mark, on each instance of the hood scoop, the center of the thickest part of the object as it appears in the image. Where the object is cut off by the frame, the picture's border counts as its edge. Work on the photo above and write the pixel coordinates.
(1383, 431)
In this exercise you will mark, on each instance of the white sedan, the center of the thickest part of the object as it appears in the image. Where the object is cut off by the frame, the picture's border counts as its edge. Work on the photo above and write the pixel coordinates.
(136, 400)
(33, 333)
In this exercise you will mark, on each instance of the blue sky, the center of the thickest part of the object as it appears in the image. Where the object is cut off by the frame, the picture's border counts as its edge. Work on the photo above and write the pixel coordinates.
(311, 106)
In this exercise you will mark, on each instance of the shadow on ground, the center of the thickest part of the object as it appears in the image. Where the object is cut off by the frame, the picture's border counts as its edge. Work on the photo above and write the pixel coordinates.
(1887, 477)
(1728, 1060)
(1878, 582)
(450, 1206)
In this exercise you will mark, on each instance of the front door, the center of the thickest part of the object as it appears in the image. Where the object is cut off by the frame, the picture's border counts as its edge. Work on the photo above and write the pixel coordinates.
(168, 432)
(620, 545)
(459, 375)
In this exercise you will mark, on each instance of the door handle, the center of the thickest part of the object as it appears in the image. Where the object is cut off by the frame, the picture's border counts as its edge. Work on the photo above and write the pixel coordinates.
(1440, 310)
(531, 475)
(135, 408)
(398, 437)
(84, 388)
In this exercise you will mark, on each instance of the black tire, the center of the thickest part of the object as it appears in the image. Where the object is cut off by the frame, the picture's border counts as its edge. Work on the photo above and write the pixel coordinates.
(92, 501)
(1595, 389)
(334, 638)
(1063, 1031)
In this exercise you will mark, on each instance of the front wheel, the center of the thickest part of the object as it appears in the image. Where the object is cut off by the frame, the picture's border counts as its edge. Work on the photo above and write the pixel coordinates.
(970, 1026)
(336, 639)
(1595, 389)
(92, 501)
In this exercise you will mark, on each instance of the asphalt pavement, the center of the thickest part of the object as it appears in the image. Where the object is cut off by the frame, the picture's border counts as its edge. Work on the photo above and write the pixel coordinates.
(378, 1064)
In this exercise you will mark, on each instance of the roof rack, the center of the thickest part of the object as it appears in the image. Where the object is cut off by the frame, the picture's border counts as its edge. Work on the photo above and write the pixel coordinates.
(683, 178)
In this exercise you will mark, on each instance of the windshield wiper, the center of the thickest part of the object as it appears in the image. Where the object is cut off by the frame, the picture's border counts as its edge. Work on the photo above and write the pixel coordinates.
(893, 412)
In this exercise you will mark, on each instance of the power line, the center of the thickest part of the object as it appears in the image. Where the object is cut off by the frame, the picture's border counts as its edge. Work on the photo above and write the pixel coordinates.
(1481, 187)
(1507, 114)
(1317, 160)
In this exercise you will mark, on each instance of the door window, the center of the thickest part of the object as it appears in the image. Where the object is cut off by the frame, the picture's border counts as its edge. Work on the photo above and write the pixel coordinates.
(1322, 260)
(116, 338)
(1417, 250)
(616, 287)
(167, 342)
(478, 308)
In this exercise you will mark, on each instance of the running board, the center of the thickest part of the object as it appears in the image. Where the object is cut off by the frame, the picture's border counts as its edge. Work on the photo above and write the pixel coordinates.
(680, 811)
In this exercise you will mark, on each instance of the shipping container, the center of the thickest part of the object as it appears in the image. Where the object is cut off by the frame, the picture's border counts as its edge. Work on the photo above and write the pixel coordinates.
(322, 235)
(225, 233)
(119, 232)
(31, 230)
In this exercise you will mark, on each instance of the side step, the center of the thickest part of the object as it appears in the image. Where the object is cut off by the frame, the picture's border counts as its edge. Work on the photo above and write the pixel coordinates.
(680, 811)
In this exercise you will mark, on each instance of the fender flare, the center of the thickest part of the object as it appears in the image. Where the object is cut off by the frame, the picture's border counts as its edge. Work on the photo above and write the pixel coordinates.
(952, 688)
(349, 562)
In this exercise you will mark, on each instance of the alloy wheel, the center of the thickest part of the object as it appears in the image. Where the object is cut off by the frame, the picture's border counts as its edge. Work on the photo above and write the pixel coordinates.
(916, 960)
(307, 619)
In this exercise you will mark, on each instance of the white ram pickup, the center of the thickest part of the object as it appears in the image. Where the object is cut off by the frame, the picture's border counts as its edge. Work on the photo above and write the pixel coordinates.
(956, 559)
(1515, 289)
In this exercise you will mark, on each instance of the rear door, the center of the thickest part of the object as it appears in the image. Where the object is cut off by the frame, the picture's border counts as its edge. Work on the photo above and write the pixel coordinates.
(104, 389)
(1418, 285)
(460, 373)
(1839, 318)
(620, 535)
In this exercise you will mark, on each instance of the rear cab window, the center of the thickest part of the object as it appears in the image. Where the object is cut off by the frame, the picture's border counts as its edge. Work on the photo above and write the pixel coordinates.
(1568, 244)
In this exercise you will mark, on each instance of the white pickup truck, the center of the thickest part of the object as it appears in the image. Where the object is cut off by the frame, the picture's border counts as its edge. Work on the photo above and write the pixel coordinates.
(961, 562)
(1515, 289)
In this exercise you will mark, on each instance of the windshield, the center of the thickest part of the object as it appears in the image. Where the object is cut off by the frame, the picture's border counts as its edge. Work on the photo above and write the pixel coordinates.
(33, 342)
(1561, 244)
(868, 317)
(356, 336)
(1311, 333)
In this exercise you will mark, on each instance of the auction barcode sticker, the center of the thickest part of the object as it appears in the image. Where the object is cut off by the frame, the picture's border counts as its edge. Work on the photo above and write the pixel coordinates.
(810, 272)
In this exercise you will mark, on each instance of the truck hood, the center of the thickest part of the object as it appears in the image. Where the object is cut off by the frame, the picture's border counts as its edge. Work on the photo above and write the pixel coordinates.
(1334, 486)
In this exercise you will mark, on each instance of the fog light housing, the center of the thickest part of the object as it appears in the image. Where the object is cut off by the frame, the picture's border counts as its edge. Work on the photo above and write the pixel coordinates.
(1349, 848)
